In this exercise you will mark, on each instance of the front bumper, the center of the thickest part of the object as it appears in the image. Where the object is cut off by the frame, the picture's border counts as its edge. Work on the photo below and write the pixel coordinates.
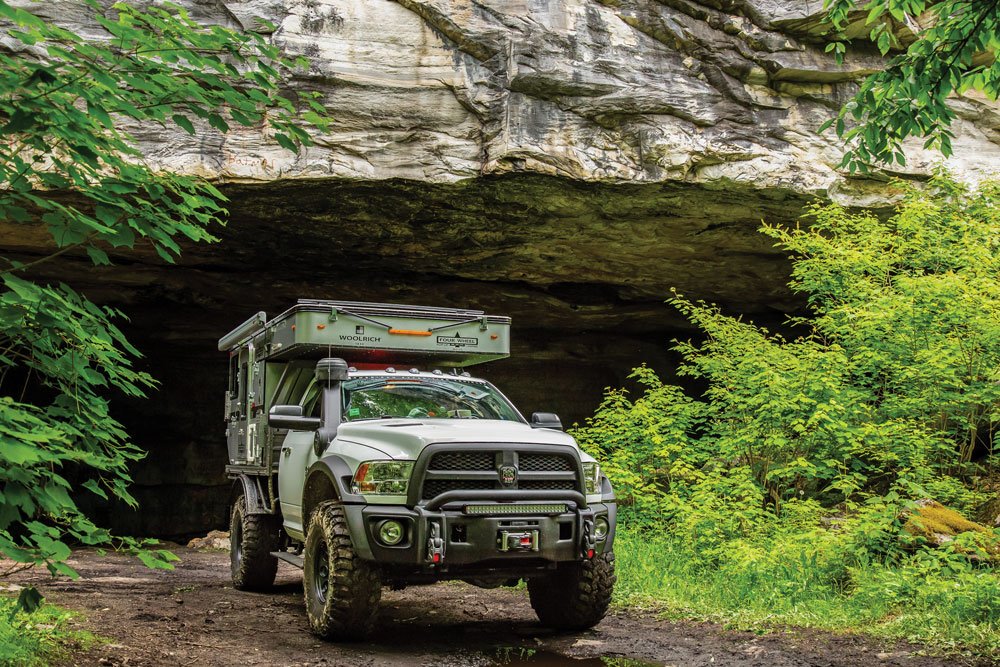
(441, 536)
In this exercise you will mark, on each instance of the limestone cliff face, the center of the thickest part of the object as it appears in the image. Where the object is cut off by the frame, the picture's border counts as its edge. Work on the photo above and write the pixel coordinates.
(710, 92)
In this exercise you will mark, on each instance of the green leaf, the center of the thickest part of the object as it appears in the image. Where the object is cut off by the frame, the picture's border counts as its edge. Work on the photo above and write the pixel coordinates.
(100, 114)
(95, 488)
(285, 142)
(218, 122)
(20, 121)
(98, 256)
(29, 600)
(184, 123)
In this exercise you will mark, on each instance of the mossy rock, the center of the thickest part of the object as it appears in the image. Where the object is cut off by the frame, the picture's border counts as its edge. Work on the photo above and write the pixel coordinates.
(935, 522)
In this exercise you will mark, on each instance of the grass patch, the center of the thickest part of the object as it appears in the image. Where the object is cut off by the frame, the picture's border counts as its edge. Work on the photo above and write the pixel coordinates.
(951, 610)
(29, 640)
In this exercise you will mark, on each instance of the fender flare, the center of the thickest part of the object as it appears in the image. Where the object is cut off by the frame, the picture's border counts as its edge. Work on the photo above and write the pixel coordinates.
(247, 487)
(338, 474)
(329, 479)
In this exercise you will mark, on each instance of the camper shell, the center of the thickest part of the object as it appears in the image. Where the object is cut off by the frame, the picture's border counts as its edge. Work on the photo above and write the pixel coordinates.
(359, 420)
(272, 361)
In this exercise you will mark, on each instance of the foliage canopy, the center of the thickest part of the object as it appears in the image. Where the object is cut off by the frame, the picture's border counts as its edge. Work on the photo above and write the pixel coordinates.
(69, 108)
(939, 47)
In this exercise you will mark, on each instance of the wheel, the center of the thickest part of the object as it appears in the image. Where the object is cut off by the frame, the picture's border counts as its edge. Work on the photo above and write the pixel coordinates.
(576, 596)
(342, 591)
(252, 538)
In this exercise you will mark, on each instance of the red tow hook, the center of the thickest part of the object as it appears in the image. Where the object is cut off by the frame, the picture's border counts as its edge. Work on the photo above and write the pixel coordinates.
(435, 544)
(589, 543)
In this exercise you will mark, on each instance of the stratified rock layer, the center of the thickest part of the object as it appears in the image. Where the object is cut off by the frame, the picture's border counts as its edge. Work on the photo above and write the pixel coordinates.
(713, 92)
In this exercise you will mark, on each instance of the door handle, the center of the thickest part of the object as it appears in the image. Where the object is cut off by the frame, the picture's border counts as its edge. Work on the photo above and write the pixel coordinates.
(286, 450)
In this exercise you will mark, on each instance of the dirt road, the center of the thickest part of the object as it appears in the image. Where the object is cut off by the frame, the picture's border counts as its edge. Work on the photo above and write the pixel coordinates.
(192, 616)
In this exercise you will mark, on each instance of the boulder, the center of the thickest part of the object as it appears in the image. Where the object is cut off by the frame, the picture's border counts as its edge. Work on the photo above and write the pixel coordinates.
(216, 540)
(939, 524)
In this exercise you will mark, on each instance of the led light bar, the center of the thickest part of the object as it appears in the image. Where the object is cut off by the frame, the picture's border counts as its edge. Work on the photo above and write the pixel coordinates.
(551, 508)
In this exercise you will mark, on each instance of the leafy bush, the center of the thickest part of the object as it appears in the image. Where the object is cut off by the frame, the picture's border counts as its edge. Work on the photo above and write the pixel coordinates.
(69, 164)
(794, 473)
(27, 640)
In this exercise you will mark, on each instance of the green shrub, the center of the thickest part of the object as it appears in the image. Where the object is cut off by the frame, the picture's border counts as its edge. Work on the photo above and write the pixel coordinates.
(36, 638)
(783, 490)
(70, 106)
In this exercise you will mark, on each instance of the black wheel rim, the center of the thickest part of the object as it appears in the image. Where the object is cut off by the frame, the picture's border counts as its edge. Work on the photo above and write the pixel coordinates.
(236, 542)
(321, 573)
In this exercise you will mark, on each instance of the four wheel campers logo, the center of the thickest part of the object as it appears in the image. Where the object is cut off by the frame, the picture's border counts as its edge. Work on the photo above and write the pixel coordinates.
(458, 341)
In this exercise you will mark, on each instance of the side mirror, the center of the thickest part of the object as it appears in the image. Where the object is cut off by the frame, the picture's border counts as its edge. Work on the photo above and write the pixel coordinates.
(546, 420)
(290, 417)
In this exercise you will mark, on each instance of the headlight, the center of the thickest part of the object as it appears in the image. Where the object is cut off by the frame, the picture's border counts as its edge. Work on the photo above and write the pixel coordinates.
(591, 478)
(382, 477)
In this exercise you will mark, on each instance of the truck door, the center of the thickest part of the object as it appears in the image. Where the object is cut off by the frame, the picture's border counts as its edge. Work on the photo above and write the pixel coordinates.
(296, 457)
(235, 407)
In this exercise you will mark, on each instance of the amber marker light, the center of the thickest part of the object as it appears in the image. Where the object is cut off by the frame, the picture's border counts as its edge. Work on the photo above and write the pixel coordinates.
(408, 332)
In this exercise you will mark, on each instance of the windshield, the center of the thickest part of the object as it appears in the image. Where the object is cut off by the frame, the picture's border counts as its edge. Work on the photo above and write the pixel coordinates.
(422, 398)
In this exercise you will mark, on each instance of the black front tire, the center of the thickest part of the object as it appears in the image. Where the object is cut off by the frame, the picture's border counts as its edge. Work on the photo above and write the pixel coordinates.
(342, 592)
(576, 596)
(252, 538)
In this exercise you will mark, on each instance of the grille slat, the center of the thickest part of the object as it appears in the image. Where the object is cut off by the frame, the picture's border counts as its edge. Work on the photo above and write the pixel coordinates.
(434, 487)
(547, 484)
(462, 461)
(544, 463)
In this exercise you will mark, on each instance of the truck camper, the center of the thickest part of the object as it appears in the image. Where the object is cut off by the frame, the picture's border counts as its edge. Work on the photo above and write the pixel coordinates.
(362, 451)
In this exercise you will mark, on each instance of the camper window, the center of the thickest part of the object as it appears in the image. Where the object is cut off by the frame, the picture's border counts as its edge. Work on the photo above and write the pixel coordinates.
(311, 403)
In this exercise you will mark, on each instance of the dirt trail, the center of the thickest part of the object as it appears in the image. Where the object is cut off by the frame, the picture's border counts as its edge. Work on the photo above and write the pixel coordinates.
(192, 616)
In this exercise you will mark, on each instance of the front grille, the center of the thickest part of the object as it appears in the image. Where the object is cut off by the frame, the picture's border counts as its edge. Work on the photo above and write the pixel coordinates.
(553, 471)
(544, 462)
(462, 461)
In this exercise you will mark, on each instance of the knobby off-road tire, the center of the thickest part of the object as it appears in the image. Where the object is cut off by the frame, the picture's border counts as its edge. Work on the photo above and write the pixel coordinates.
(342, 592)
(252, 539)
(576, 596)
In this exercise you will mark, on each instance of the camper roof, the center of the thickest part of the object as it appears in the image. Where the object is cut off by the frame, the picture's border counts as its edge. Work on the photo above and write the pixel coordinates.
(376, 333)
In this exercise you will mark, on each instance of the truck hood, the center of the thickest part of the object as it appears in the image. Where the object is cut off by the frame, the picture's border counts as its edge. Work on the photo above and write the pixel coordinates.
(406, 438)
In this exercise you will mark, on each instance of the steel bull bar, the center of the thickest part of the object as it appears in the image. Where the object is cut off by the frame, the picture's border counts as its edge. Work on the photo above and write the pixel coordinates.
(452, 505)
(505, 495)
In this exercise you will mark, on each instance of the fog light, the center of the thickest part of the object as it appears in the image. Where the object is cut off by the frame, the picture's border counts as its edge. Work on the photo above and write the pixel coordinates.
(600, 527)
(390, 532)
